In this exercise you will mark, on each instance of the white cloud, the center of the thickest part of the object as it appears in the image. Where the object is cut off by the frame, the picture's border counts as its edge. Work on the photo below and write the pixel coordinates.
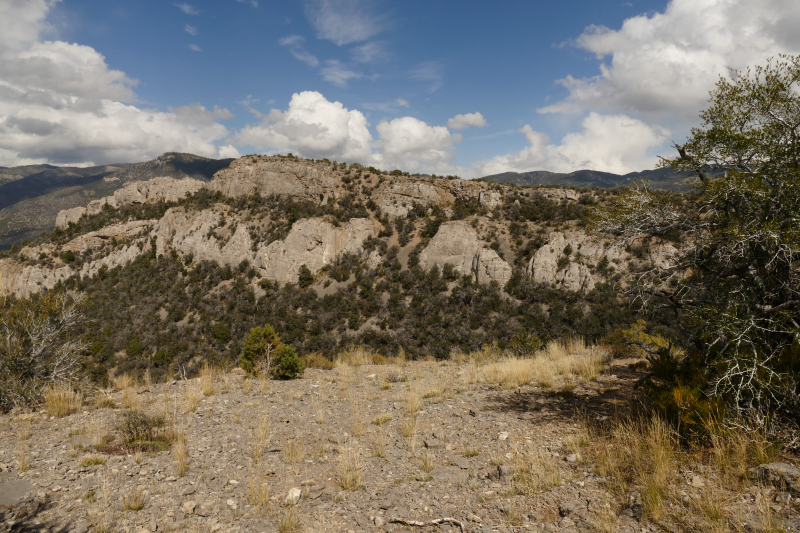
(662, 65)
(609, 143)
(226, 151)
(188, 9)
(312, 127)
(429, 72)
(60, 103)
(413, 145)
(253, 3)
(402, 102)
(460, 122)
(294, 43)
(198, 115)
(373, 52)
(191, 30)
(195, 48)
(343, 21)
(338, 74)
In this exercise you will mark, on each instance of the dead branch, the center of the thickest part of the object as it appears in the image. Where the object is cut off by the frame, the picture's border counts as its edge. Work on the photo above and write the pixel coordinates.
(435, 522)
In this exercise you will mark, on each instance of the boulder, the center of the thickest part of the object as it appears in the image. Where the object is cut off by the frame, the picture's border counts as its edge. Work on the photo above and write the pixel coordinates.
(312, 242)
(397, 196)
(488, 267)
(116, 232)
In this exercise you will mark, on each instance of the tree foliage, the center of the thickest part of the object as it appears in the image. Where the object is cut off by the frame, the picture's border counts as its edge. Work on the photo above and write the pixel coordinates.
(735, 283)
(36, 348)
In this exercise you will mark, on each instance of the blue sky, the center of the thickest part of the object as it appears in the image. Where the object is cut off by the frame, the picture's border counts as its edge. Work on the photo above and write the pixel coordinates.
(467, 88)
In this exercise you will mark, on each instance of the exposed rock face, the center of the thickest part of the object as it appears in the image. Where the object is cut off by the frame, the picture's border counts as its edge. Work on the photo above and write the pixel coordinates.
(779, 474)
(157, 190)
(69, 216)
(490, 199)
(458, 243)
(22, 281)
(118, 232)
(397, 197)
(136, 192)
(575, 276)
(312, 242)
(203, 235)
(282, 177)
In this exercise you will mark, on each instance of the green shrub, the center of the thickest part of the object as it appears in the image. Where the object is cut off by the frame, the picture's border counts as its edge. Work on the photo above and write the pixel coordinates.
(133, 348)
(259, 348)
(306, 278)
(287, 364)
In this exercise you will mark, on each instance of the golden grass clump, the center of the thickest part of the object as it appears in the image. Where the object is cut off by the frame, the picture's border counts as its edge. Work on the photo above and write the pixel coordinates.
(61, 400)
(382, 419)
(207, 380)
(261, 437)
(290, 521)
(247, 385)
(125, 381)
(134, 501)
(349, 470)
(293, 451)
(511, 372)
(640, 452)
(93, 460)
(180, 453)
(258, 493)
(317, 360)
(192, 400)
(412, 400)
(130, 400)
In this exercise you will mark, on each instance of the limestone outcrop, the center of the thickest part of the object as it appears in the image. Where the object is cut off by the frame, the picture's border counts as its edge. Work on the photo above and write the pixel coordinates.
(312, 242)
(458, 244)
(136, 192)
(117, 232)
(247, 176)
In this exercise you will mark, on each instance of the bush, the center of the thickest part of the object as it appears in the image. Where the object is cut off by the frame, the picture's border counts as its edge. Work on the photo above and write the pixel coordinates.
(287, 364)
(259, 349)
(306, 278)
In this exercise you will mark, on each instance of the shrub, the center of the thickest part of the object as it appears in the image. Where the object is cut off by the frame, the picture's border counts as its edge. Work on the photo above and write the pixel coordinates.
(287, 364)
(141, 431)
(259, 348)
(305, 277)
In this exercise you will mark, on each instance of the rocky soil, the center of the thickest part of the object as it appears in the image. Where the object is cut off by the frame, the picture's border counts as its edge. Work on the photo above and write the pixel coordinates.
(341, 445)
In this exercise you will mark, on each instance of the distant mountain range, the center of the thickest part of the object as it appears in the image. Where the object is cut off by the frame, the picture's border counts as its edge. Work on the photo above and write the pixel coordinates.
(31, 196)
(662, 178)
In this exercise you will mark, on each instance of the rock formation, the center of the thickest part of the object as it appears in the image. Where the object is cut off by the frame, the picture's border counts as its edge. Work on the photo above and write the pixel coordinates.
(314, 243)
(458, 244)
(267, 176)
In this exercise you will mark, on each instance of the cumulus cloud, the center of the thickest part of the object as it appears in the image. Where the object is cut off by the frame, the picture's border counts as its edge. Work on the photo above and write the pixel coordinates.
(460, 122)
(312, 127)
(411, 144)
(338, 74)
(295, 45)
(610, 143)
(61, 103)
(662, 65)
(343, 21)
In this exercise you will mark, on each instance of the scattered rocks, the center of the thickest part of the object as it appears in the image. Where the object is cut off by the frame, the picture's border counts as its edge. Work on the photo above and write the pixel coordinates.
(781, 475)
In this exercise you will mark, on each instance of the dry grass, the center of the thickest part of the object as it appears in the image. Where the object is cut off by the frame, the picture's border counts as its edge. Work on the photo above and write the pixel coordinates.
(93, 460)
(534, 472)
(290, 521)
(470, 452)
(378, 445)
(409, 426)
(61, 400)
(412, 401)
(180, 453)
(130, 400)
(511, 372)
(349, 470)
(123, 382)
(261, 436)
(21, 455)
(247, 385)
(641, 452)
(317, 360)
(382, 419)
(258, 493)
(23, 431)
(192, 400)
(134, 501)
(207, 380)
(293, 451)
(426, 463)
(361, 355)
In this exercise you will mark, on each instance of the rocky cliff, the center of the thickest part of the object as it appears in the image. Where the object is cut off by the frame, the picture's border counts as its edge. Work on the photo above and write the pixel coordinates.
(482, 247)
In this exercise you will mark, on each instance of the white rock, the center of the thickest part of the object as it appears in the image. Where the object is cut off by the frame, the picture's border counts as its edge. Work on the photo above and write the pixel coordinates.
(293, 496)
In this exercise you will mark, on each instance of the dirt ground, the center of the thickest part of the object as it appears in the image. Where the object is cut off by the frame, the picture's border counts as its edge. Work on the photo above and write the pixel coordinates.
(349, 449)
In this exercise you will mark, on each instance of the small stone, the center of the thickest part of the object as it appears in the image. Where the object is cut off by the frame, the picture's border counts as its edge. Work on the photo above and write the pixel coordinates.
(572, 458)
(231, 504)
(503, 435)
(171, 479)
(379, 521)
(188, 506)
(473, 518)
(697, 482)
(188, 491)
(293, 496)
(233, 482)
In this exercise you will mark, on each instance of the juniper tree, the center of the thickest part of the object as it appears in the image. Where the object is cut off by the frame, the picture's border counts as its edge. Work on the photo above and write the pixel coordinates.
(735, 283)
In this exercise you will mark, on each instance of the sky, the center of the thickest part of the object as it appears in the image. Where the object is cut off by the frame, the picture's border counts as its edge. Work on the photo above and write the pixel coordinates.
(466, 87)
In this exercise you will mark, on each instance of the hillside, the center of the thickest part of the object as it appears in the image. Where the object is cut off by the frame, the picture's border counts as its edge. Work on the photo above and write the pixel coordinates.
(662, 178)
(31, 196)
(330, 255)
